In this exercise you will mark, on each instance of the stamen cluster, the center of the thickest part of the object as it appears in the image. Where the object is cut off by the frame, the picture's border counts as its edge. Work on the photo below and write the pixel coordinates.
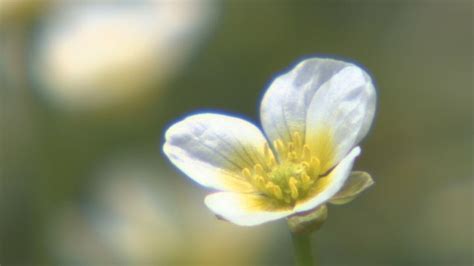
(289, 176)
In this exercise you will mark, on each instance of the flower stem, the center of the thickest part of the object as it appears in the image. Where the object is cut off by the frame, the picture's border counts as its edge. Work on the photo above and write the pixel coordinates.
(302, 249)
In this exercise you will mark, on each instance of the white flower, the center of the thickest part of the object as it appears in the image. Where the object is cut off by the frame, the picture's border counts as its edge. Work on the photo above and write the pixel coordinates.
(130, 217)
(313, 117)
(100, 55)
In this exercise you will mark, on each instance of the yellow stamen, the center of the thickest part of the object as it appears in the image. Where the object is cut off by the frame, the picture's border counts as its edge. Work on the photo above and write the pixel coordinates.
(291, 147)
(269, 157)
(280, 147)
(306, 180)
(290, 170)
(259, 180)
(274, 189)
(293, 184)
(271, 162)
(246, 173)
(292, 156)
(259, 169)
(305, 166)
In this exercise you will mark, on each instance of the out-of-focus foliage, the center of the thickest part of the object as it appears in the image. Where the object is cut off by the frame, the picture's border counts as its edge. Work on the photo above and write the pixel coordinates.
(17, 11)
(84, 181)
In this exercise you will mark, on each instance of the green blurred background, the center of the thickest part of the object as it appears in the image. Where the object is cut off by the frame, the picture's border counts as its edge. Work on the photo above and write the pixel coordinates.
(87, 184)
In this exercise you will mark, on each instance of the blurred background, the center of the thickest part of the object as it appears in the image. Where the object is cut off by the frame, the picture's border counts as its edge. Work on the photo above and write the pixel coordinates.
(87, 89)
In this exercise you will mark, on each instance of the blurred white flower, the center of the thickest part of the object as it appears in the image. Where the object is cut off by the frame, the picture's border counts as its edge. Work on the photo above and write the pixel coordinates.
(135, 216)
(125, 220)
(95, 54)
(314, 116)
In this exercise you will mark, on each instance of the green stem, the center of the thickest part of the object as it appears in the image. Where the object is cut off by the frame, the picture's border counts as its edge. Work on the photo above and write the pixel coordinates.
(302, 249)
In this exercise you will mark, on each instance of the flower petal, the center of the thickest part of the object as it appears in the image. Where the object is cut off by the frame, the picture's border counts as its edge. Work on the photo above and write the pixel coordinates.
(245, 209)
(285, 104)
(213, 149)
(342, 108)
(356, 183)
(326, 187)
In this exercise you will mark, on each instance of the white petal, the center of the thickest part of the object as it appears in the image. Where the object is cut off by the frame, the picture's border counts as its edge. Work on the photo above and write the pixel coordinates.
(343, 106)
(285, 104)
(370, 105)
(213, 149)
(333, 183)
(245, 209)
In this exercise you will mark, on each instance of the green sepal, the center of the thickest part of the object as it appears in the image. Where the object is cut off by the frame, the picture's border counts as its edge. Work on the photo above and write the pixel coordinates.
(307, 222)
(356, 183)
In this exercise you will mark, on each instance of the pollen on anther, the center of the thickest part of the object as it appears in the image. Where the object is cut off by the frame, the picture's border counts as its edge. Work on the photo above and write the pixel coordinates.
(305, 180)
(287, 171)
(268, 155)
(271, 161)
(291, 147)
(259, 169)
(259, 180)
(305, 165)
(274, 189)
(292, 156)
(293, 185)
(279, 146)
(246, 173)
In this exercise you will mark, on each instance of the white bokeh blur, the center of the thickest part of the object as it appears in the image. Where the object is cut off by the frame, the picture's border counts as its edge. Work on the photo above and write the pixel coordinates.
(99, 54)
(139, 213)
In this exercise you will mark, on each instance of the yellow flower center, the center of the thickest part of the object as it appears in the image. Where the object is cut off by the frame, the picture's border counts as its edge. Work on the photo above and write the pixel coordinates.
(290, 176)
